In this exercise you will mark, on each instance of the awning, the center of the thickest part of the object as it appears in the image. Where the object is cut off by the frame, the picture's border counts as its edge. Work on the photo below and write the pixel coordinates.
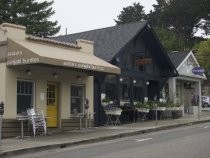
(24, 52)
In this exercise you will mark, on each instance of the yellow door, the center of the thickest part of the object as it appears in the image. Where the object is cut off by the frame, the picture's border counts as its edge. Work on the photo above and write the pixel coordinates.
(52, 105)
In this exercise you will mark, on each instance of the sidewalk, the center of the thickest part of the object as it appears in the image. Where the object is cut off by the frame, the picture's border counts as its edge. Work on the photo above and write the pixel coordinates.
(13, 146)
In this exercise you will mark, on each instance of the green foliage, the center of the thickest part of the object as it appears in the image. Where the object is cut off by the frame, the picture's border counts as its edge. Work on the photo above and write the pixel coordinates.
(142, 105)
(167, 104)
(169, 39)
(203, 54)
(131, 14)
(176, 21)
(30, 13)
(183, 16)
(105, 100)
(151, 104)
(163, 104)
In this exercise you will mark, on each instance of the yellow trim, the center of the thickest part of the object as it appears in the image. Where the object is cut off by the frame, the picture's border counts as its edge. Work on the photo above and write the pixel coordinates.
(52, 105)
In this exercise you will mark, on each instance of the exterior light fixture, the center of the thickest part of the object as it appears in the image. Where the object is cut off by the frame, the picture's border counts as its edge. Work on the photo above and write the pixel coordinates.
(28, 72)
(79, 78)
(55, 75)
(134, 81)
(147, 82)
(121, 79)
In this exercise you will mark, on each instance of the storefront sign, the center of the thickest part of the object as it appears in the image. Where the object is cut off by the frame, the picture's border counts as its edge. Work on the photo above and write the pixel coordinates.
(198, 70)
(144, 61)
(17, 58)
(82, 66)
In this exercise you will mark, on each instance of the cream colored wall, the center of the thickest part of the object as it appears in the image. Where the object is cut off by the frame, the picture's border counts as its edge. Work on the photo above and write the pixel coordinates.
(10, 94)
(41, 75)
(2, 81)
(86, 46)
(2, 35)
(12, 31)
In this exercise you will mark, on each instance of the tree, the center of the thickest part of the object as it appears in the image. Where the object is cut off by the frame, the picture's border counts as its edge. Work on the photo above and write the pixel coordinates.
(30, 13)
(169, 39)
(131, 14)
(203, 54)
(156, 17)
(184, 17)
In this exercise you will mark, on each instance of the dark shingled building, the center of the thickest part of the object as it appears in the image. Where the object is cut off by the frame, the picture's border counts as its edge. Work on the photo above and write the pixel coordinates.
(135, 48)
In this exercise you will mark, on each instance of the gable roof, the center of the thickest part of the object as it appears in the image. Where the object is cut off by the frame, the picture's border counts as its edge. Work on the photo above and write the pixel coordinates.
(108, 41)
(178, 57)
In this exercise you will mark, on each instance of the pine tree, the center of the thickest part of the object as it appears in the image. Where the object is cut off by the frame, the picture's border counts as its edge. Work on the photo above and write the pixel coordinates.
(30, 13)
(131, 14)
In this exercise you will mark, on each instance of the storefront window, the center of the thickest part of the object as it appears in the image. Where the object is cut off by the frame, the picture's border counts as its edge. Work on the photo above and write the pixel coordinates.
(25, 95)
(111, 91)
(77, 97)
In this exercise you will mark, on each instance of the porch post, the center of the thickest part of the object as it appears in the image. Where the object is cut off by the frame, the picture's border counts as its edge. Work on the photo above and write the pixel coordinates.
(198, 92)
(172, 89)
(182, 95)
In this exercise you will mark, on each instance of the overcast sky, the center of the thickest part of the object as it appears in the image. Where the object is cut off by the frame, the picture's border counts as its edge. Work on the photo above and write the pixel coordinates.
(84, 15)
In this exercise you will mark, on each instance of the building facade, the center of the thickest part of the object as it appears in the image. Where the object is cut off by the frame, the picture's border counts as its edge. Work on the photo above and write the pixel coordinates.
(42, 73)
(186, 88)
(136, 50)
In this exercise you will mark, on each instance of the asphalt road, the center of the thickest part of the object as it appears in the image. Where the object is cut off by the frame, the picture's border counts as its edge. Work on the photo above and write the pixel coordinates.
(185, 142)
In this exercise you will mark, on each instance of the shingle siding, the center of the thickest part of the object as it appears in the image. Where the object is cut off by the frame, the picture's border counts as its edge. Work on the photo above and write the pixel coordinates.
(108, 41)
(178, 57)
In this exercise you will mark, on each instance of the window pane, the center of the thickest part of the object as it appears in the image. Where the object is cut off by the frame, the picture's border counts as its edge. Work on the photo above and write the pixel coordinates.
(24, 95)
(77, 98)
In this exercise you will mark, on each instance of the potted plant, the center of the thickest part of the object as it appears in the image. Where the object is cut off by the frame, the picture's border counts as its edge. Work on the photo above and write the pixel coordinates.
(105, 101)
(171, 106)
(162, 106)
(142, 107)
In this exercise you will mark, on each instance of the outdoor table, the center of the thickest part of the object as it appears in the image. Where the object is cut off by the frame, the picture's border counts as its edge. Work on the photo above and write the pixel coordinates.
(22, 119)
(80, 116)
(143, 112)
(113, 113)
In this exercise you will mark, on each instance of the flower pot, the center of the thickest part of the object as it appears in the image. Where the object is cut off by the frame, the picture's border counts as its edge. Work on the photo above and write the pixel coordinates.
(143, 110)
(173, 108)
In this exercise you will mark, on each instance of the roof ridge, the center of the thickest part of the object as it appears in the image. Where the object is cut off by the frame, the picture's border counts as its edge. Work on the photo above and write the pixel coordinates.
(52, 41)
(103, 28)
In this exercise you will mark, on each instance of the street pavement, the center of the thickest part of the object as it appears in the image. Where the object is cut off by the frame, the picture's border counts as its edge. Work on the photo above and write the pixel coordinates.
(14, 146)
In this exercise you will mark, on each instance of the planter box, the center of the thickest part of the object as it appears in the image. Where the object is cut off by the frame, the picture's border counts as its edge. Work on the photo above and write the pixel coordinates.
(173, 108)
(113, 112)
(142, 110)
(159, 108)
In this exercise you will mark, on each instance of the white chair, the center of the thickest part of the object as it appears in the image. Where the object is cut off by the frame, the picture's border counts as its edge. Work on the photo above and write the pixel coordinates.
(37, 120)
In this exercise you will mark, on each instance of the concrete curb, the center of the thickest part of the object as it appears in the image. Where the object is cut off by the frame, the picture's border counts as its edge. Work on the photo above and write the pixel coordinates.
(97, 139)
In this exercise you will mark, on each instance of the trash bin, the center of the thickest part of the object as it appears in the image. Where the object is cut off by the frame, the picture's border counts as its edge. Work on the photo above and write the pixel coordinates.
(1, 116)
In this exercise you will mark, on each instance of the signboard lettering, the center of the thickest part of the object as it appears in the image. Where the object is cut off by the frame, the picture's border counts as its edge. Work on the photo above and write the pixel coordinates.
(17, 58)
(22, 61)
(82, 66)
(198, 70)
(15, 53)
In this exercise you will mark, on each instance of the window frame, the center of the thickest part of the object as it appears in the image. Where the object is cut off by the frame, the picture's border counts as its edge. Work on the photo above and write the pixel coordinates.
(82, 108)
(33, 93)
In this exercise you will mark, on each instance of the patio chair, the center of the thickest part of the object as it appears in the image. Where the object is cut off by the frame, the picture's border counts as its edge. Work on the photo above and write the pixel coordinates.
(37, 120)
